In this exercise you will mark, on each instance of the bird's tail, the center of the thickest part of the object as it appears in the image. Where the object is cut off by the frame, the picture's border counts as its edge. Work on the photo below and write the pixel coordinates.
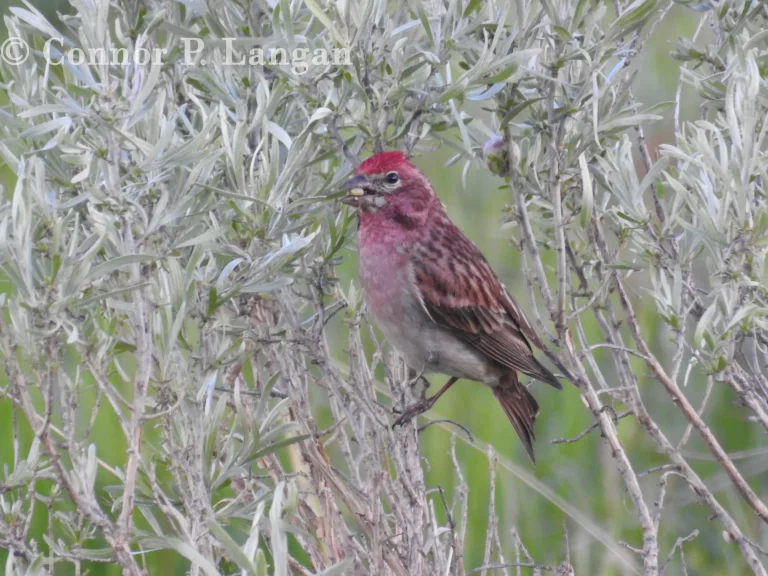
(520, 407)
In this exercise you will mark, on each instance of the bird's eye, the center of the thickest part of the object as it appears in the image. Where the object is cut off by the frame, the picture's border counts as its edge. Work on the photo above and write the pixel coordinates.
(392, 178)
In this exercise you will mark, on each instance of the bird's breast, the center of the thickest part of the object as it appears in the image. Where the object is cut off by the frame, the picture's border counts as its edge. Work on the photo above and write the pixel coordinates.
(384, 275)
(391, 294)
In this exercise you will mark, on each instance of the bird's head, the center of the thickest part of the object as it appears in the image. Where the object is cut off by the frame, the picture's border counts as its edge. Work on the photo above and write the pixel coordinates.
(388, 184)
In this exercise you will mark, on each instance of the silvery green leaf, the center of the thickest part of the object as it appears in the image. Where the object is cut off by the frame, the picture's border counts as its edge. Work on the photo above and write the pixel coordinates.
(272, 448)
(204, 238)
(226, 271)
(172, 334)
(324, 20)
(91, 467)
(290, 245)
(79, 199)
(405, 27)
(46, 127)
(36, 19)
(705, 323)
(279, 541)
(280, 134)
(634, 16)
(261, 563)
(261, 407)
(418, 5)
(9, 157)
(486, 94)
(49, 109)
(627, 121)
(115, 263)
(271, 434)
(751, 310)
(82, 175)
(230, 546)
(261, 287)
(653, 174)
(111, 294)
(252, 544)
(338, 569)
(147, 87)
(587, 197)
(273, 415)
(320, 114)
(205, 390)
(183, 548)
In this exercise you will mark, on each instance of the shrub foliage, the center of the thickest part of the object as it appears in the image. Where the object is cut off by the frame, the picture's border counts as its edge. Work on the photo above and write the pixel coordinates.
(170, 247)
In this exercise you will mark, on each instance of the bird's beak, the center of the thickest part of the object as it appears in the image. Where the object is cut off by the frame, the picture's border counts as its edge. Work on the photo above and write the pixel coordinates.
(355, 188)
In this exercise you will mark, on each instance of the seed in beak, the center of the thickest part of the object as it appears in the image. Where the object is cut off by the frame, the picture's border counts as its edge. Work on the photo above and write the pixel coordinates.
(356, 192)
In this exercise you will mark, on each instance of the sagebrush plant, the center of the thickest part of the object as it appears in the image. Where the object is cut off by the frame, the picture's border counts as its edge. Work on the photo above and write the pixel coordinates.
(170, 251)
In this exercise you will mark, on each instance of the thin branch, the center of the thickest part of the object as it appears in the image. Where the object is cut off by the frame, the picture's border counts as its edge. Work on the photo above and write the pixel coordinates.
(447, 421)
(348, 154)
(678, 545)
(589, 429)
(688, 410)
(485, 567)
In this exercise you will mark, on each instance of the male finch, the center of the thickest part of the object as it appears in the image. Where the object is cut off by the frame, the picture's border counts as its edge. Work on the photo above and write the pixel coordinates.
(435, 296)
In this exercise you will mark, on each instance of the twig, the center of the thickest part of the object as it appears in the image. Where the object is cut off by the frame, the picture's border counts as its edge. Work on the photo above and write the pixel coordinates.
(447, 421)
(678, 545)
(348, 154)
(493, 521)
(142, 319)
(542, 567)
(589, 429)
(693, 417)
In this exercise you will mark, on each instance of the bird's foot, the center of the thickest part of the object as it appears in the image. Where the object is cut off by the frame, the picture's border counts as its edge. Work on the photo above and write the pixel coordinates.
(412, 411)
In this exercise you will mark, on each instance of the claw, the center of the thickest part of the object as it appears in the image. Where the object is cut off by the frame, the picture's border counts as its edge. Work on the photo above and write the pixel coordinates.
(423, 405)
(404, 419)
(410, 412)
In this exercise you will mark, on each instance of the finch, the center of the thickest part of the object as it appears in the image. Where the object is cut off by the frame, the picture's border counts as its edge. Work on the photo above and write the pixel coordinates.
(434, 295)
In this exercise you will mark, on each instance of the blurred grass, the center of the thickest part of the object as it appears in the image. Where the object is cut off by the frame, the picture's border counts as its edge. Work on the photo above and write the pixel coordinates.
(581, 472)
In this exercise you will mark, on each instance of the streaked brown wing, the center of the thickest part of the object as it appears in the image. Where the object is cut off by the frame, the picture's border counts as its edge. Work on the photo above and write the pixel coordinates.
(460, 291)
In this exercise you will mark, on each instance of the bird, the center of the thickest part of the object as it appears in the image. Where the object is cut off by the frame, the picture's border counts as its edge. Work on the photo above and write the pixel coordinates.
(433, 294)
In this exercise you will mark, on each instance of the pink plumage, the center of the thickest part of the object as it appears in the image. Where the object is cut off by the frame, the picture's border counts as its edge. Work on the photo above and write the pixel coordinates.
(435, 296)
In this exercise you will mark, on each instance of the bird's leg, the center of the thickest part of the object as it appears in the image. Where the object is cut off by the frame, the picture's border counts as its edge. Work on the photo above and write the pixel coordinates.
(423, 405)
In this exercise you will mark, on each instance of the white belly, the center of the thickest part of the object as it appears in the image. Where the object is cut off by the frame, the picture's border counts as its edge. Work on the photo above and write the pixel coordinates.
(429, 348)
